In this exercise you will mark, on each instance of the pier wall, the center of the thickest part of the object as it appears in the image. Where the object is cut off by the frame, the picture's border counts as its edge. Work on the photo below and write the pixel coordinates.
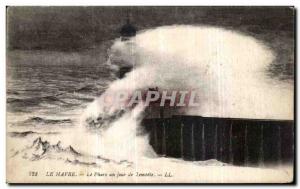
(243, 142)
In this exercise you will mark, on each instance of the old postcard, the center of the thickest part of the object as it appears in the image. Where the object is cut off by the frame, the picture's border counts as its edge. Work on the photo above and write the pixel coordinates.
(150, 94)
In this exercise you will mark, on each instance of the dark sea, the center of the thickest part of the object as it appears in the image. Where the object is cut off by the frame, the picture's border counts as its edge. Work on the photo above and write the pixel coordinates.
(49, 94)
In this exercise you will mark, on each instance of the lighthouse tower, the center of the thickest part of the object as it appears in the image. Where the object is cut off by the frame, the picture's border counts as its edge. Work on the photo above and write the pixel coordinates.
(128, 30)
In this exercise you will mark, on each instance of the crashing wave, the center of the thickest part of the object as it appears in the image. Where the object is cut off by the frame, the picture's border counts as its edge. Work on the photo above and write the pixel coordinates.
(42, 149)
(228, 71)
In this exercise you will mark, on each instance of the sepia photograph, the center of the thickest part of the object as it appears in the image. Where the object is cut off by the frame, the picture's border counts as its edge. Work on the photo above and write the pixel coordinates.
(150, 94)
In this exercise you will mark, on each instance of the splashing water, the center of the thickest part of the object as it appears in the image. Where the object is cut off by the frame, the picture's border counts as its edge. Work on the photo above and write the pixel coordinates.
(227, 69)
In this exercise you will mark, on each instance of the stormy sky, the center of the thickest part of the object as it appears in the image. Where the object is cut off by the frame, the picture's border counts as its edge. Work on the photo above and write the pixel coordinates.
(80, 28)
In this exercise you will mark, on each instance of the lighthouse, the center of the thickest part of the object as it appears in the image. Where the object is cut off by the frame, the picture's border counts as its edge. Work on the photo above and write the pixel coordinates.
(128, 30)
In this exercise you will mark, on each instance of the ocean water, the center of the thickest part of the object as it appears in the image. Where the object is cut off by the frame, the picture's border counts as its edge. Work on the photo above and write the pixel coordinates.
(42, 95)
